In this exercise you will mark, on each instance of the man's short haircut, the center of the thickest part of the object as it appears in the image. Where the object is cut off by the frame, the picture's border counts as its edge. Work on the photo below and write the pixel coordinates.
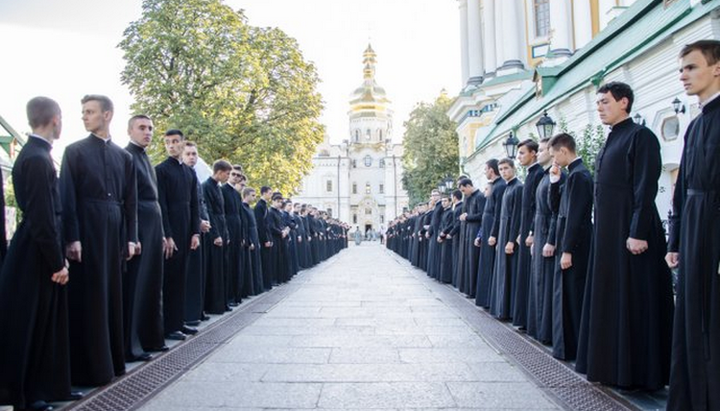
(189, 143)
(137, 117)
(105, 103)
(237, 167)
(709, 48)
(277, 196)
(435, 191)
(247, 191)
(242, 177)
(493, 164)
(264, 189)
(461, 177)
(221, 165)
(563, 140)
(619, 90)
(457, 194)
(507, 161)
(41, 110)
(465, 182)
(531, 145)
(544, 140)
(175, 132)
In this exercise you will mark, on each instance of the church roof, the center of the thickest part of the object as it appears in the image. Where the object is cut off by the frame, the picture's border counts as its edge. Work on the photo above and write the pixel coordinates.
(369, 92)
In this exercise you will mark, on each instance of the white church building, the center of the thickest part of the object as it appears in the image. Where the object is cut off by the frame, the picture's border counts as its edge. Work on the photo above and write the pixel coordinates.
(360, 180)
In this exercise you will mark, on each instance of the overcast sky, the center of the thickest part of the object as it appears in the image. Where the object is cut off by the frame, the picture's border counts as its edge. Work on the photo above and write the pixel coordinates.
(66, 49)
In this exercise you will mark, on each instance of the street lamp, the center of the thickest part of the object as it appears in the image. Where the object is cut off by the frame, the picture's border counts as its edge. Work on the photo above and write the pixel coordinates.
(678, 106)
(449, 183)
(545, 126)
(638, 119)
(511, 145)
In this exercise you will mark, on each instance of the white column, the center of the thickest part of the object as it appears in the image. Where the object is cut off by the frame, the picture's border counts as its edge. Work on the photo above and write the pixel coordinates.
(475, 49)
(583, 23)
(512, 26)
(488, 18)
(464, 41)
(560, 22)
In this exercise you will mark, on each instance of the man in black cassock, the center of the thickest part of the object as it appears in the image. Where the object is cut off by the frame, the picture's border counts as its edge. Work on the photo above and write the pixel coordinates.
(695, 240)
(233, 259)
(486, 237)
(178, 198)
(195, 277)
(454, 234)
(527, 157)
(34, 349)
(99, 194)
(573, 203)
(279, 233)
(266, 252)
(433, 265)
(542, 245)
(627, 277)
(253, 243)
(216, 240)
(445, 241)
(142, 281)
(501, 289)
(472, 216)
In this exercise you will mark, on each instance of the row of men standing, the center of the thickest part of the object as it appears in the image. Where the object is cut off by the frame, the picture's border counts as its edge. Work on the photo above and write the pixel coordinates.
(595, 287)
(151, 251)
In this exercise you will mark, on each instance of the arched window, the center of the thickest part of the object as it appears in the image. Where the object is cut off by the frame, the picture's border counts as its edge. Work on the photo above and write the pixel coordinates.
(357, 135)
(354, 188)
(367, 188)
(382, 163)
(367, 134)
(368, 160)
(380, 134)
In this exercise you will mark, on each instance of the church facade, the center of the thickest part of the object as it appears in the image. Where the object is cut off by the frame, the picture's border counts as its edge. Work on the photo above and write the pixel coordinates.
(360, 180)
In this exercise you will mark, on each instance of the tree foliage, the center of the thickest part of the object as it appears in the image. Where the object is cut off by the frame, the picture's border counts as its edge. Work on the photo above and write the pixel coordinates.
(589, 143)
(430, 148)
(242, 93)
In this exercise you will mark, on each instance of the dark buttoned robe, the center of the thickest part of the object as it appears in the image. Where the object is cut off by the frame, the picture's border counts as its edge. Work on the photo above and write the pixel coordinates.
(34, 347)
(490, 228)
(234, 272)
(474, 206)
(254, 263)
(196, 262)
(99, 194)
(434, 248)
(506, 264)
(447, 224)
(215, 291)
(266, 253)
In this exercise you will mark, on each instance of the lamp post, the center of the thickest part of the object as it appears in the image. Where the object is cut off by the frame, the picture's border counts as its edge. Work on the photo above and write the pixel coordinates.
(678, 106)
(511, 145)
(638, 119)
(545, 126)
(448, 182)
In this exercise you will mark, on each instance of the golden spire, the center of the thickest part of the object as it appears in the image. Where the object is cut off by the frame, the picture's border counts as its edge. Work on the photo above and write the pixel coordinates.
(369, 62)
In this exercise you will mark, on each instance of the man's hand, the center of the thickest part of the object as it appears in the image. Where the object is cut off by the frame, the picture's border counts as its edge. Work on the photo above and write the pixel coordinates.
(299, 239)
(138, 248)
(463, 216)
(218, 241)
(492, 241)
(555, 173)
(672, 259)
(449, 237)
(205, 226)
(509, 248)
(252, 246)
(477, 242)
(194, 242)
(427, 235)
(529, 241)
(565, 261)
(170, 247)
(61, 277)
(132, 251)
(439, 239)
(268, 244)
(636, 246)
(74, 251)
(548, 250)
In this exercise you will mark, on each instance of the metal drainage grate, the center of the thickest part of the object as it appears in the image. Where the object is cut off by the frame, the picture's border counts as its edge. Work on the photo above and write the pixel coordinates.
(138, 386)
(569, 388)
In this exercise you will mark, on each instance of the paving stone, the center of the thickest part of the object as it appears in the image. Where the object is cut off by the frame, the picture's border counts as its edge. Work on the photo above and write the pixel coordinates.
(275, 355)
(499, 395)
(369, 373)
(227, 371)
(383, 395)
(434, 355)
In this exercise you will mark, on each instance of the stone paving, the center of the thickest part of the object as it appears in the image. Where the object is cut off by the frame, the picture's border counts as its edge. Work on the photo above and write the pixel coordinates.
(361, 332)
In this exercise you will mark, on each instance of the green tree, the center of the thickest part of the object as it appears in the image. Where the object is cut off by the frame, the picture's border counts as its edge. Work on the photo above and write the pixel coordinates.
(430, 148)
(589, 144)
(242, 93)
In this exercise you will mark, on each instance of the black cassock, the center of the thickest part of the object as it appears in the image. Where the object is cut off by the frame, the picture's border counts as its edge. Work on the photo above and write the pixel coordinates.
(234, 270)
(474, 206)
(266, 253)
(215, 291)
(446, 247)
(522, 276)
(573, 203)
(695, 234)
(501, 286)
(626, 329)
(543, 268)
(178, 198)
(279, 248)
(455, 233)
(99, 194)
(490, 227)
(143, 280)
(195, 278)
(434, 250)
(34, 349)
(254, 261)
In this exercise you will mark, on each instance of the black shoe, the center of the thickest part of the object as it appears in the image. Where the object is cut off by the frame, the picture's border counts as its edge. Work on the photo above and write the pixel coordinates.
(189, 331)
(40, 406)
(227, 308)
(158, 349)
(75, 396)
(193, 323)
(204, 317)
(233, 304)
(176, 335)
(146, 356)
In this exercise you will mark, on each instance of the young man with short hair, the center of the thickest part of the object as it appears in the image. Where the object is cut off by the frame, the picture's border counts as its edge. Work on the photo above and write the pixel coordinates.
(216, 240)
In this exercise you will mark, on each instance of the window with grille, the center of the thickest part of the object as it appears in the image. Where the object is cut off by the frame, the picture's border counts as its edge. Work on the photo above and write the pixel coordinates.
(542, 17)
